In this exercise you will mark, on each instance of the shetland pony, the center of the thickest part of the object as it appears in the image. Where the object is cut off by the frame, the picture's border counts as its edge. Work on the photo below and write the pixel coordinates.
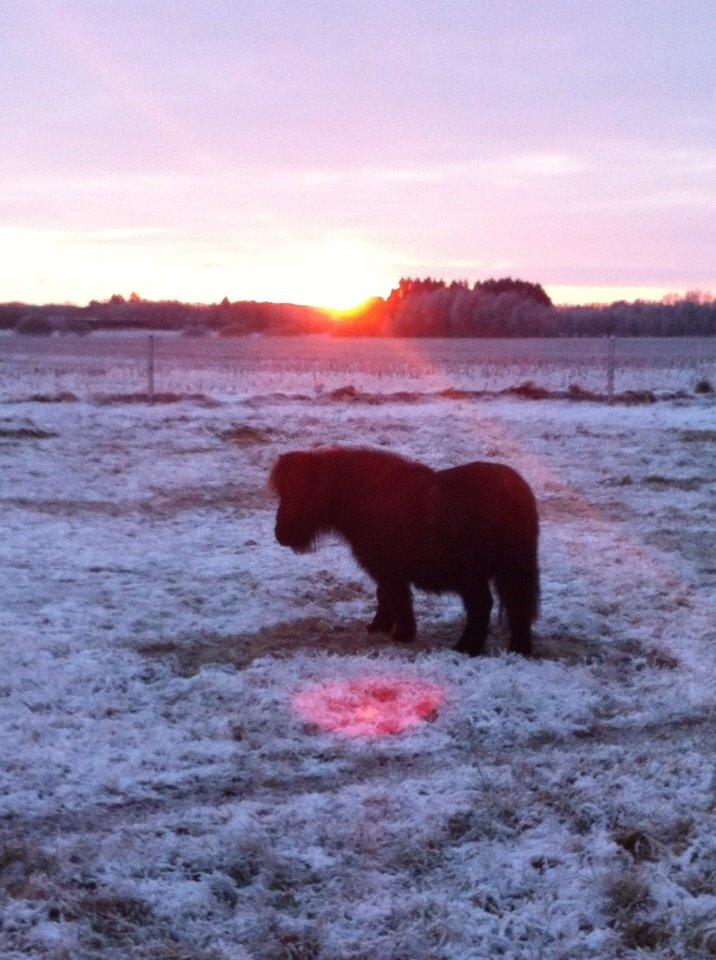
(446, 531)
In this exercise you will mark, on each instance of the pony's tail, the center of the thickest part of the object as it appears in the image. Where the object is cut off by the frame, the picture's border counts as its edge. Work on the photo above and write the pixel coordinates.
(531, 581)
(518, 584)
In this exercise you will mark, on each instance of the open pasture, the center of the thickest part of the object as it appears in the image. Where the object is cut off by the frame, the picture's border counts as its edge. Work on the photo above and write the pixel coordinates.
(236, 367)
(162, 797)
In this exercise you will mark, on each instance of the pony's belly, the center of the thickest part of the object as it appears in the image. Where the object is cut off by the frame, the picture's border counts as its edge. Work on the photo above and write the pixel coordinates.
(394, 562)
(435, 579)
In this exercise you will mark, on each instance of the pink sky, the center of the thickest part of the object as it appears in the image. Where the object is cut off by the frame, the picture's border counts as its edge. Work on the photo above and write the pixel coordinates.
(316, 152)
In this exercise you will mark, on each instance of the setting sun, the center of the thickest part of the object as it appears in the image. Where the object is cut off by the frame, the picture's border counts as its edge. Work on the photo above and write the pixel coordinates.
(341, 275)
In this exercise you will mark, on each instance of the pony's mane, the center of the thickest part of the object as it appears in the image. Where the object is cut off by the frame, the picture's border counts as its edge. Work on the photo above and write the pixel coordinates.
(334, 453)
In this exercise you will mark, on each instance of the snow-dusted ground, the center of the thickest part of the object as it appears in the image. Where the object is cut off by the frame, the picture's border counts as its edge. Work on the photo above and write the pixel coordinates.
(160, 797)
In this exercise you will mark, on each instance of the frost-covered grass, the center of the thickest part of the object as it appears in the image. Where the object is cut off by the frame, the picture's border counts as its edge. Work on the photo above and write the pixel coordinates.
(161, 798)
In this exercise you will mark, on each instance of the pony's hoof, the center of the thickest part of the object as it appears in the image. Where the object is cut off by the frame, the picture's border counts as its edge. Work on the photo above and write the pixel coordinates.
(526, 652)
(471, 649)
(379, 626)
(523, 647)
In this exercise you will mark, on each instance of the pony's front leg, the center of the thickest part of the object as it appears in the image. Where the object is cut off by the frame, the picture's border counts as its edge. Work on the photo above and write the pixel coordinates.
(400, 599)
(383, 621)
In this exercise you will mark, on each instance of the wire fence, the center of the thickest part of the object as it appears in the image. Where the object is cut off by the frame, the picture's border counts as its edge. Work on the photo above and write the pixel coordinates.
(154, 364)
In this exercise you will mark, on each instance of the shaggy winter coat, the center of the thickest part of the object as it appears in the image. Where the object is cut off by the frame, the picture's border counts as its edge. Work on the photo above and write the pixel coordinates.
(446, 531)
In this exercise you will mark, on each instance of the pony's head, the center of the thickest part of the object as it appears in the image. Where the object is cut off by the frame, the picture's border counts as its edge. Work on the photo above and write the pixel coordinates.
(303, 482)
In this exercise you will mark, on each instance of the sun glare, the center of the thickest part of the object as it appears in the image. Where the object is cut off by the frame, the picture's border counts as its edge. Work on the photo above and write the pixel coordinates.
(342, 292)
(370, 707)
(342, 300)
(350, 313)
(341, 276)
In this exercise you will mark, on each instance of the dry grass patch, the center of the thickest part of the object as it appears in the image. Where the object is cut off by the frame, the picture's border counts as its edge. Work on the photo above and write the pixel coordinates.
(124, 399)
(62, 396)
(698, 436)
(67, 508)
(24, 870)
(26, 433)
(112, 917)
(630, 908)
(640, 845)
(659, 482)
(168, 502)
(567, 647)
(245, 435)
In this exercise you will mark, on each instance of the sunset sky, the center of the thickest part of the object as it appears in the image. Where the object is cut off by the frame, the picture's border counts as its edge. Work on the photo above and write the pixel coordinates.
(317, 151)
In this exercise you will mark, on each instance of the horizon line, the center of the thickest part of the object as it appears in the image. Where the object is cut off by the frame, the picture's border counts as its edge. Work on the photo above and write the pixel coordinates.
(562, 295)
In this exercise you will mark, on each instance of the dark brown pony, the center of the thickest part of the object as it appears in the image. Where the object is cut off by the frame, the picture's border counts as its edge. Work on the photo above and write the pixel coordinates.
(446, 531)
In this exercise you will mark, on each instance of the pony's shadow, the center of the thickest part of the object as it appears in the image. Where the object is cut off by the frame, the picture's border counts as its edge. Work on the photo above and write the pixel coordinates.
(318, 635)
(312, 635)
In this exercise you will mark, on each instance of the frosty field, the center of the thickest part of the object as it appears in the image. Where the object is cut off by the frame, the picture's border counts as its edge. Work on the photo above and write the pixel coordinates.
(160, 796)
(240, 366)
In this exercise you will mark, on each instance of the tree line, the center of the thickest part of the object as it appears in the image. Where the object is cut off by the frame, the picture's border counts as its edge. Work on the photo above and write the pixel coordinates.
(426, 307)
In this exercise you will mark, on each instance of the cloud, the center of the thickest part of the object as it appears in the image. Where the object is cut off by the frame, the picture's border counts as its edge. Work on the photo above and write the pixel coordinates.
(320, 178)
(545, 164)
(538, 164)
(441, 265)
(95, 183)
(665, 200)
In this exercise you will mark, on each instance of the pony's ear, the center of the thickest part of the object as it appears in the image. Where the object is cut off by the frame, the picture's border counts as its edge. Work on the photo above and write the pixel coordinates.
(300, 469)
(282, 469)
(321, 474)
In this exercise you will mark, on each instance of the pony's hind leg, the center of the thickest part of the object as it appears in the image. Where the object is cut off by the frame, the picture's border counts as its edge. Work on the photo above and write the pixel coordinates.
(520, 631)
(520, 613)
(478, 606)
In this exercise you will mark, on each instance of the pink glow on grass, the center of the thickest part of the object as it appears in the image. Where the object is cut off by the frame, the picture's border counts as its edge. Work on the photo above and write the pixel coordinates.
(369, 707)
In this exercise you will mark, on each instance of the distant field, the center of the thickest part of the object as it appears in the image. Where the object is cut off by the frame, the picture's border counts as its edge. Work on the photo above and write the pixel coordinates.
(243, 366)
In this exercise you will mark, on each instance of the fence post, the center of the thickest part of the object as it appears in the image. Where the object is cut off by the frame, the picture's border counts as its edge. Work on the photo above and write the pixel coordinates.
(150, 368)
(610, 368)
